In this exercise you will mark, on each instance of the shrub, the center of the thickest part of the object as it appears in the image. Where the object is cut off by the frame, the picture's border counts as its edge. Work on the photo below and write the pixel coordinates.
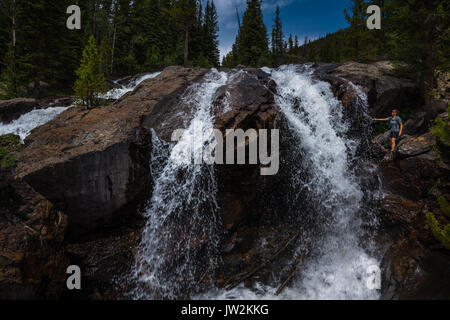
(441, 129)
(9, 144)
(441, 234)
(91, 80)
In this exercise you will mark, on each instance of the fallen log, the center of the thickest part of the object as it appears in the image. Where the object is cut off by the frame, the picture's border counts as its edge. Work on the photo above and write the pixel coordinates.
(265, 263)
(293, 271)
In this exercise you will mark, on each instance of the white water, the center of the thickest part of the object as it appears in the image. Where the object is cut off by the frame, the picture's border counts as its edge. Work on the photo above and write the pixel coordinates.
(117, 93)
(182, 213)
(28, 121)
(341, 252)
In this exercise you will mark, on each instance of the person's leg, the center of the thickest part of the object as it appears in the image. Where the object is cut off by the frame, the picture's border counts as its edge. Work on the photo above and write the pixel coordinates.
(393, 140)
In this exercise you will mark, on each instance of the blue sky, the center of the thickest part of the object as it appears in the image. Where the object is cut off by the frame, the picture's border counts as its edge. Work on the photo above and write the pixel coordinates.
(311, 18)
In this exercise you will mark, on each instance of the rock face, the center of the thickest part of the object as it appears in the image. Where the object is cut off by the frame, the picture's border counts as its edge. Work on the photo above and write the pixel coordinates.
(247, 102)
(413, 269)
(92, 164)
(32, 259)
(385, 90)
(416, 168)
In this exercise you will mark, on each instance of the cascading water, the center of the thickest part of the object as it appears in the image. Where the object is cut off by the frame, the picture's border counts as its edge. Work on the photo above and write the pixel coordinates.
(28, 121)
(117, 93)
(180, 239)
(331, 177)
(340, 266)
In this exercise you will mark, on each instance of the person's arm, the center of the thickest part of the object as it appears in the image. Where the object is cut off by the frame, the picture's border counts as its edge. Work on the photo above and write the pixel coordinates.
(401, 128)
(377, 119)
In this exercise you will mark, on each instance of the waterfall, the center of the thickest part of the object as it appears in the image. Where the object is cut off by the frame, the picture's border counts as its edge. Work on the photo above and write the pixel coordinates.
(331, 177)
(180, 239)
(28, 121)
(328, 169)
(342, 262)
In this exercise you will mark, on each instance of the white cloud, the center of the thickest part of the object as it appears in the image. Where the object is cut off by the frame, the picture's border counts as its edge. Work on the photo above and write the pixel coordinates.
(272, 4)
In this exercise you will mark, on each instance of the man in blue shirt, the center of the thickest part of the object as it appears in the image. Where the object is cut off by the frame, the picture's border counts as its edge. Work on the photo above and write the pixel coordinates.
(396, 126)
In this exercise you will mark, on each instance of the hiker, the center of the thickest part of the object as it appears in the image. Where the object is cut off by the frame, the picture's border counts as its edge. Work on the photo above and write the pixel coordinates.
(396, 127)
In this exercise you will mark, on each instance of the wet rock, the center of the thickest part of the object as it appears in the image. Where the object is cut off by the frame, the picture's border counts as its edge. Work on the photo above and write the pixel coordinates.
(414, 176)
(32, 260)
(246, 102)
(414, 146)
(411, 271)
(106, 258)
(399, 212)
(415, 169)
(385, 90)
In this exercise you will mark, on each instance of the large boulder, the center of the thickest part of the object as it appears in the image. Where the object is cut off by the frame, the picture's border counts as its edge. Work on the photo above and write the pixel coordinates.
(415, 169)
(94, 164)
(385, 89)
(246, 102)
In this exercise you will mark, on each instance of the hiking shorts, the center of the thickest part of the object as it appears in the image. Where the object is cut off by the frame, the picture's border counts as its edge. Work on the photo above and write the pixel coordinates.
(395, 134)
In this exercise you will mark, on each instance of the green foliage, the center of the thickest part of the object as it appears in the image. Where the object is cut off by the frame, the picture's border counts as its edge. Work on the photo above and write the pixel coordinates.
(441, 129)
(252, 43)
(381, 127)
(278, 50)
(443, 235)
(136, 36)
(435, 186)
(91, 80)
(9, 144)
(9, 78)
(445, 207)
(106, 57)
(210, 49)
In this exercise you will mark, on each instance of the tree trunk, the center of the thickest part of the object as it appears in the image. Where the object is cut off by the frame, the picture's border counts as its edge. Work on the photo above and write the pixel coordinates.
(113, 47)
(14, 71)
(186, 46)
(430, 62)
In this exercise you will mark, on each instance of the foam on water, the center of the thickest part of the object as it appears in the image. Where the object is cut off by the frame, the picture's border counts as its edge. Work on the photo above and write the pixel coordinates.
(28, 121)
(183, 211)
(117, 93)
(342, 260)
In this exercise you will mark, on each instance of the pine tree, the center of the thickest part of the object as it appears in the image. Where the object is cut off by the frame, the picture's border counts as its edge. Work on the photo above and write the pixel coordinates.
(253, 47)
(91, 80)
(105, 56)
(211, 34)
(296, 45)
(290, 44)
(8, 23)
(356, 19)
(277, 39)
